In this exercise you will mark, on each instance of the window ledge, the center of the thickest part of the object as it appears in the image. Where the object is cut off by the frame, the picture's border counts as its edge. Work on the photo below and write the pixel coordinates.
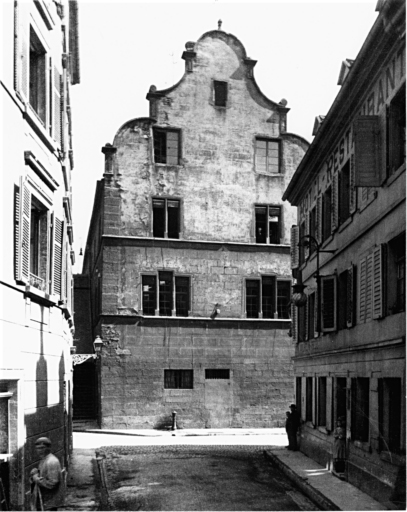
(39, 128)
(39, 296)
(345, 224)
(169, 167)
(364, 446)
(393, 177)
(393, 458)
(271, 175)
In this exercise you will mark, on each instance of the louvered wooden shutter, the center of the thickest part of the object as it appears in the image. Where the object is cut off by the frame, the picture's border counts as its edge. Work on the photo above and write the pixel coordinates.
(21, 49)
(352, 188)
(57, 122)
(64, 268)
(362, 289)
(367, 150)
(294, 322)
(306, 248)
(294, 249)
(328, 299)
(335, 202)
(303, 398)
(318, 230)
(350, 288)
(25, 223)
(369, 287)
(317, 318)
(377, 284)
(306, 320)
(57, 228)
(329, 403)
(17, 234)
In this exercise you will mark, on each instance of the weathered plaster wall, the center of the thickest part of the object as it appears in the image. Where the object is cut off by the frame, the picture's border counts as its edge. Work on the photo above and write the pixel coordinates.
(134, 359)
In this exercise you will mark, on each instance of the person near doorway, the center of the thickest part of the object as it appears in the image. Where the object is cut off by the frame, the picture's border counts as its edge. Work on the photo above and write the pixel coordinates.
(339, 448)
(292, 426)
(47, 489)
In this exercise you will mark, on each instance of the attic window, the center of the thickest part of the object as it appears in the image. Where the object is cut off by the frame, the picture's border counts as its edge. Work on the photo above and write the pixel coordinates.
(220, 93)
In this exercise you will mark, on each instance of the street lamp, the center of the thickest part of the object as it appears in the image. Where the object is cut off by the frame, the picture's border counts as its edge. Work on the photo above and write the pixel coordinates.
(299, 297)
(97, 345)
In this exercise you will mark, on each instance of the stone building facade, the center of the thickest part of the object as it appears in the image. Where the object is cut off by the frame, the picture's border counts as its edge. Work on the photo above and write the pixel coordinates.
(40, 63)
(188, 252)
(350, 192)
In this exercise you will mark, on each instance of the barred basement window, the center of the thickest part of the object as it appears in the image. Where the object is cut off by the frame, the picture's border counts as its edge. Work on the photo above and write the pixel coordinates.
(166, 146)
(268, 224)
(178, 379)
(220, 93)
(217, 374)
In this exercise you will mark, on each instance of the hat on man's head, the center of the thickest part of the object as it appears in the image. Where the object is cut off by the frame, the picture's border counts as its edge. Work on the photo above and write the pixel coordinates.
(43, 440)
(293, 406)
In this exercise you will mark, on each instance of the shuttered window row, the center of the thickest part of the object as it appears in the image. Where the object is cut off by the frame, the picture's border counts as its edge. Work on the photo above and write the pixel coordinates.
(40, 248)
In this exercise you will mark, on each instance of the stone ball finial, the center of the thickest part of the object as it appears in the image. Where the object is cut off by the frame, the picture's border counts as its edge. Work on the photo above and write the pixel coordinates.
(153, 88)
(220, 25)
(283, 102)
(189, 46)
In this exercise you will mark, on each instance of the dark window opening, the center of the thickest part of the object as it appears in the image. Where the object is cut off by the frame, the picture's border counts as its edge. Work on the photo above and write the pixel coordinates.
(283, 299)
(344, 193)
(396, 274)
(182, 296)
(340, 398)
(178, 379)
(301, 246)
(390, 404)
(267, 296)
(149, 285)
(217, 374)
(308, 398)
(298, 395)
(342, 300)
(326, 214)
(396, 140)
(165, 293)
(166, 218)
(311, 316)
(268, 224)
(252, 298)
(166, 146)
(37, 92)
(322, 401)
(312, 229)
(360, 409)
(268, 156)
(39, 255)
(221, 93)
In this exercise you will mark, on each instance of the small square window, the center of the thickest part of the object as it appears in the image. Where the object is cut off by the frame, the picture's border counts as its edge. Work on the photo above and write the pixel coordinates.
(221, 93)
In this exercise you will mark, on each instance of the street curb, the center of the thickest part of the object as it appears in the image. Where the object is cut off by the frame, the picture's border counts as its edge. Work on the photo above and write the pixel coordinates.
(313, 494)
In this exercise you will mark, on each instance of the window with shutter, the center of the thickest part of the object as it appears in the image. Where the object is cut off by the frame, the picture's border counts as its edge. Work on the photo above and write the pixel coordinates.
(318, 220)
(166, 146)
(326, 214)
(17, 234)
(335, 202)
(25, 225)
(350, 295)
(21, 49)
(56, 117)
(294, 249)
(294, 323)
(344, 193)
(396, 130)
(58, 230)
(328, 303)
(390, 414)
(396, 274)
(377, 285)
(352, 188)
(307, 230)
(367, 151)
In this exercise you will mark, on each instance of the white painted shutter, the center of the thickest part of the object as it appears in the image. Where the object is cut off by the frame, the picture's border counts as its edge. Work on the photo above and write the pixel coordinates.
(335, 202)
(294, 249)
(377, 282)
(367, 150)
(25, 224)
(57, 229)
(21, 49)
(17, 234)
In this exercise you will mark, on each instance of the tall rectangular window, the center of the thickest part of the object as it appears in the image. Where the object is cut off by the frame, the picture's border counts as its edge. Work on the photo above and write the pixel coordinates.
(326, 214)
(268, 224)
(308, 398)
(390, 406)
(360, 409)
(252, 298)
(311, 316)
(340, 399)
(298, 395)
(38, 88)
(312, 228)
(220, 90)
(178, 379)
(39, 236)
(322, 401)
(182, 301)
(396, 274)
(283, 299)
(166, 146)
(396, 139)
(166, 218)
(267, 156)
(165, 293)
(149, 284)
(344, 193)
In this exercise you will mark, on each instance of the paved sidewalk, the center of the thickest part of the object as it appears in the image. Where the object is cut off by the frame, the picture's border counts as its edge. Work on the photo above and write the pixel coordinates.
(319, 484)
(315, 481)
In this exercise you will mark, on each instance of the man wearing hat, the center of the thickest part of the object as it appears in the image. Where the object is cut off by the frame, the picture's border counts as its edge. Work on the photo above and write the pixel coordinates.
(292, 428)
(47, 489)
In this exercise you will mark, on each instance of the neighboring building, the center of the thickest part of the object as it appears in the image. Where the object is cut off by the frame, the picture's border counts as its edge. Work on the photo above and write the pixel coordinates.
(40, 63)
(188, 252)
(350, 192)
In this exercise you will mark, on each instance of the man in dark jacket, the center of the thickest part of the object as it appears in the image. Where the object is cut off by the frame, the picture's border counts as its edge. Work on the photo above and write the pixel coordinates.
(293, 424)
